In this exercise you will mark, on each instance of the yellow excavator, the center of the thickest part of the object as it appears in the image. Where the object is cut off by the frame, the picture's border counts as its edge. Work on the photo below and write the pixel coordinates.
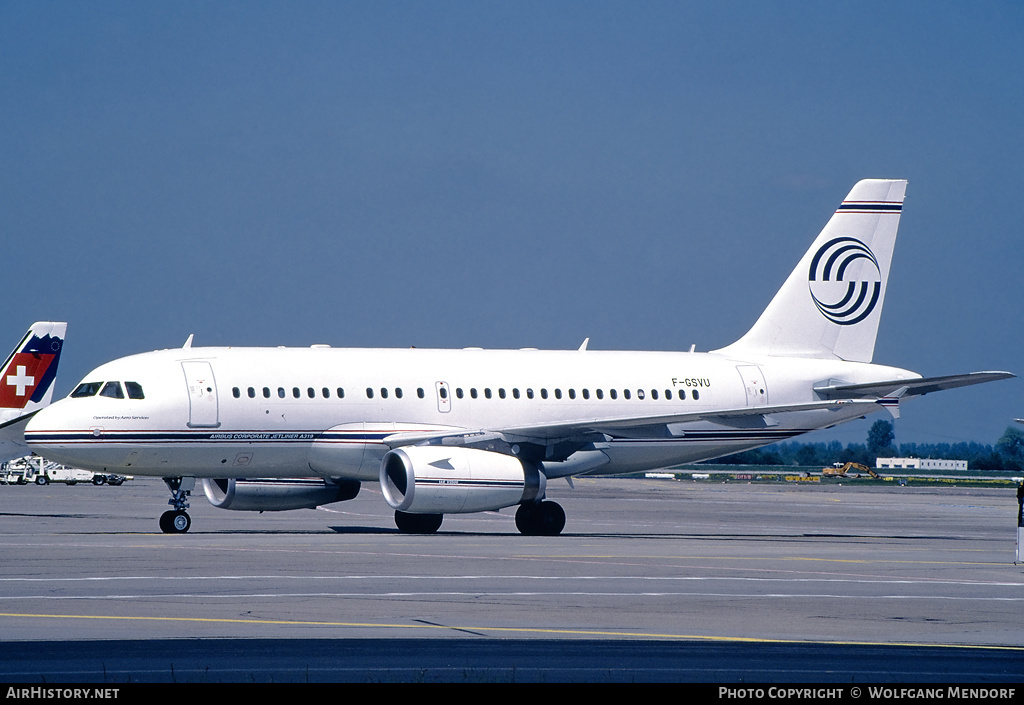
(844, 470)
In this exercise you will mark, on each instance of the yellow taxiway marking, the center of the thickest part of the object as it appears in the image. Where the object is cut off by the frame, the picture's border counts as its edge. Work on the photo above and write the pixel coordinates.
(513, 630)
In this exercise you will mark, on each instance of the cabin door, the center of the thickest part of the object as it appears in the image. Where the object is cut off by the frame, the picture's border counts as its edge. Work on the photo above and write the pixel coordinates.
(202, 394)
(444, 397)
(753, 384)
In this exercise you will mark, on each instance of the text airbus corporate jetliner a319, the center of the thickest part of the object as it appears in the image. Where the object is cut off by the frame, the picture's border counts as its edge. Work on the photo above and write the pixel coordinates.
(450, 431)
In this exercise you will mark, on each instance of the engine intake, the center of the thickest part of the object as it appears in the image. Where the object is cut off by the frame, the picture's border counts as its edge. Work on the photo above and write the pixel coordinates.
(276, 494)
(445, 480)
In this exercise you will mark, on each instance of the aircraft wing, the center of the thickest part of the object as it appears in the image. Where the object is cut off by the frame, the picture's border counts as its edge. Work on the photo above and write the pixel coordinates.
(612, 425)
(843, 396)
(916, 387)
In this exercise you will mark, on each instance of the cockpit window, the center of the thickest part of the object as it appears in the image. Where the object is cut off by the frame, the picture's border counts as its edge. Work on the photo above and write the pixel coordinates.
(86, 389)
(134, 390)
(112, 390)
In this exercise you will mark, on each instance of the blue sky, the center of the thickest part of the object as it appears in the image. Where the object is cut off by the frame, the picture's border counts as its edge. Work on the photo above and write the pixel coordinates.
(509, 174)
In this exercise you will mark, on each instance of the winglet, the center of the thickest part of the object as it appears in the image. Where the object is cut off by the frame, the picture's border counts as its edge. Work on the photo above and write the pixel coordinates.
(891, 402)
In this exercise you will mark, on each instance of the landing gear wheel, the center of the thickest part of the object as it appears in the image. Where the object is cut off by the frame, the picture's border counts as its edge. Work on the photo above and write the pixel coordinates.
(418, 523)
(544, 519)
(175, 522)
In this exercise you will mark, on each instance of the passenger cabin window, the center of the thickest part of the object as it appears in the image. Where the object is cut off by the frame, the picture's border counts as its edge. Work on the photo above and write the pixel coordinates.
(236, 392)
(112, 390)
(86, 389)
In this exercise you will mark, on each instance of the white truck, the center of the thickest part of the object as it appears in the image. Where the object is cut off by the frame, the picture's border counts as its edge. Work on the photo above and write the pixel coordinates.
(32, 468)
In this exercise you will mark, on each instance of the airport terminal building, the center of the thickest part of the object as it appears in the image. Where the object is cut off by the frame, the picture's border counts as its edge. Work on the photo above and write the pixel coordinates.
(920, 464)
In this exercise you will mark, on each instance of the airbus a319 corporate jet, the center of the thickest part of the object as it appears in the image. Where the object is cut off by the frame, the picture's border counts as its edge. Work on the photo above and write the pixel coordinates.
(455, 431)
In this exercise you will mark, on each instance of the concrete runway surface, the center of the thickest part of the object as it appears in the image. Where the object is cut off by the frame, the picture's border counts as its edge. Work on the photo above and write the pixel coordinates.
(652, 580)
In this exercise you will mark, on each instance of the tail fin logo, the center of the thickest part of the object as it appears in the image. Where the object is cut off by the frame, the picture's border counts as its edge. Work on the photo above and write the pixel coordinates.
(845, 281)
(29, 372)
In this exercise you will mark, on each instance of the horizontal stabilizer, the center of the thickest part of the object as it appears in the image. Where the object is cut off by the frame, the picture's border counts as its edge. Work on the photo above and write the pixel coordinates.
(12, 437)
(913, 387)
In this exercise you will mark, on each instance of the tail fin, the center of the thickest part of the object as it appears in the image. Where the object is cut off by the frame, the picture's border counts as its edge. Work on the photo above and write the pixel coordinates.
(830, 305)
(26, 378)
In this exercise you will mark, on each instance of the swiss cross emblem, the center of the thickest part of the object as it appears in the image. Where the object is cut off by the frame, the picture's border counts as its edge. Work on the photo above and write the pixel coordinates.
(18, 381)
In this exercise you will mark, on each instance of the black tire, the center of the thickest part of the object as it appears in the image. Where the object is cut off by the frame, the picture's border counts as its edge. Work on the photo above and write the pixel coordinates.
(418, 523)
(550, 519)
(98, 480)
(544, 519)
(524, 519)
(42, 480)
(177, 522)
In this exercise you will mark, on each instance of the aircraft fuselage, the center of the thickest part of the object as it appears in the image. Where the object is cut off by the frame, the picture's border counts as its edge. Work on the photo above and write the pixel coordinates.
(286, 412)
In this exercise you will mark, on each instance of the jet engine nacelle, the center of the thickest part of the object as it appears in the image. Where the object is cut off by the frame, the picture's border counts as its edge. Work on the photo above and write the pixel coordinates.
(275, 495)
(446, 480)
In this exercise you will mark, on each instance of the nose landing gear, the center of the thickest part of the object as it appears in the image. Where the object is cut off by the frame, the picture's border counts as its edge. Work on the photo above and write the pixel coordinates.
(177, 520)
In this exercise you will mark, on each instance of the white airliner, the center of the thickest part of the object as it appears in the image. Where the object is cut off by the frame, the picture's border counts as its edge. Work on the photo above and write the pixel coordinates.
(26, 383)
(449, 431)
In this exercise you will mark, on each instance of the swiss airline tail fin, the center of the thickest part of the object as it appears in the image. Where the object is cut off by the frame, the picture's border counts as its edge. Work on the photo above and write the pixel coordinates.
(830, 305)
(26, 378)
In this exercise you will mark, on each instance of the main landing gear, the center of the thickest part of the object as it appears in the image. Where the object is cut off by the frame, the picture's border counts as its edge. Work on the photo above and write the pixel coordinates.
(418, 523)
(540, 519)
(177, 521)
(535, 519)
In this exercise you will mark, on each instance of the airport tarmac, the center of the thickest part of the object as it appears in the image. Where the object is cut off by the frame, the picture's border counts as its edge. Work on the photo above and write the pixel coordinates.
(644, 566)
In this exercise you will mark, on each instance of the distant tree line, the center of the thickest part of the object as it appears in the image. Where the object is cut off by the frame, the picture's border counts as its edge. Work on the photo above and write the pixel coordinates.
(1006, 455)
